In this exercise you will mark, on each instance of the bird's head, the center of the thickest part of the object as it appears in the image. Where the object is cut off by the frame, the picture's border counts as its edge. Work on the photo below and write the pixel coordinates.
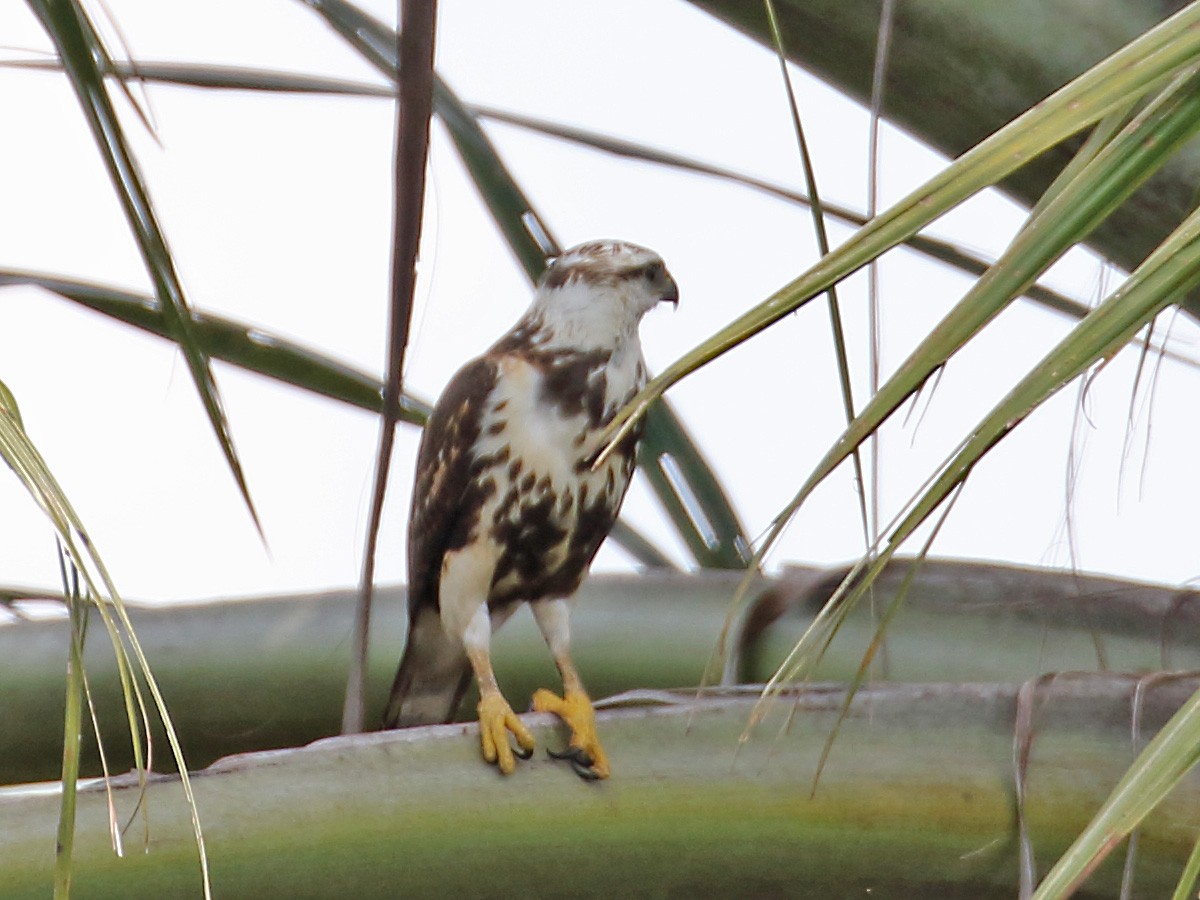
(594, 294)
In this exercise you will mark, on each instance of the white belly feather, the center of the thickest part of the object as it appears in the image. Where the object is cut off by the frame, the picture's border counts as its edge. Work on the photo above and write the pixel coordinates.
(554, 449)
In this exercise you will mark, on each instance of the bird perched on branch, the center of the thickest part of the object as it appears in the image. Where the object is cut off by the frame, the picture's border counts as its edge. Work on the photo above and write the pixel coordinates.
(507, 506)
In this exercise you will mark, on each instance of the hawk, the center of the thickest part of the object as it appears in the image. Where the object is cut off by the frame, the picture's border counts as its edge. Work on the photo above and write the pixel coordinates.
(507, 507)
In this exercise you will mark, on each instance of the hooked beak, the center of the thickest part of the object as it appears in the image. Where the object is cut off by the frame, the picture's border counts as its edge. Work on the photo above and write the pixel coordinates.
(670, 293)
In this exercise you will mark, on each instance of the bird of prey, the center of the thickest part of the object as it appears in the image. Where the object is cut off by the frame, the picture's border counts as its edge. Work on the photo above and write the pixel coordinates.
(507, 506)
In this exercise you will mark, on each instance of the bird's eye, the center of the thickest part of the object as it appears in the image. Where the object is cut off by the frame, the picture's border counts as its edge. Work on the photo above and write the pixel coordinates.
(653, 272)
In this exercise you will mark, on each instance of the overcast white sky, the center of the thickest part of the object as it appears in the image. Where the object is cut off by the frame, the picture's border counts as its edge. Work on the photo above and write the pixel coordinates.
(278, 209)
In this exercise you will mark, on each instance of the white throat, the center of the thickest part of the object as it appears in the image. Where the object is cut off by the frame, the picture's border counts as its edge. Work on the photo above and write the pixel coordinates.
(580, 316)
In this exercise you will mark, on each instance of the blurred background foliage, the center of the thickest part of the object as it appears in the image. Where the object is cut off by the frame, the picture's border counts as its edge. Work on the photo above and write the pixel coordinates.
(1097, 145)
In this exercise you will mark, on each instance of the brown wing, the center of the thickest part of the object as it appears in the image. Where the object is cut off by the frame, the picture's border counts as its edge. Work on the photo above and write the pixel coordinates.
(433, 672)
(441, 513)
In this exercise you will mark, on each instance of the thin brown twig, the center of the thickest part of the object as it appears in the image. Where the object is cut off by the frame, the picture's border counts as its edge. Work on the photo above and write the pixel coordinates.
(415, 49)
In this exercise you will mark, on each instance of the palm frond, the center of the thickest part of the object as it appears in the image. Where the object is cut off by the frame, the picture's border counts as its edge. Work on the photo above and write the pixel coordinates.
(1132, 73)
(85, 61)
(527, 235)
(97, 585)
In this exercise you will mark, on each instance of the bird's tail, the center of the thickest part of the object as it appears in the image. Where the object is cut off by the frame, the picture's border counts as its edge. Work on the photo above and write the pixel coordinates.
(433, 676)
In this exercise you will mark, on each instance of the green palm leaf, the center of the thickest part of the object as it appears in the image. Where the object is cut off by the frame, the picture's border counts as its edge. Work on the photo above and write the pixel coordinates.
(1127, 76)
(85, 61)
(529, 238)
(98, 588)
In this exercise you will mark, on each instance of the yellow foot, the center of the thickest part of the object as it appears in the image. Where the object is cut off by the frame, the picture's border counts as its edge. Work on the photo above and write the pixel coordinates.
(496, 720)
(587, 757)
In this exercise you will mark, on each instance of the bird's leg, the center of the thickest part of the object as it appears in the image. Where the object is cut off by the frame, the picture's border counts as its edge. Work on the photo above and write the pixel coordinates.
(574, 707)
(496, 718)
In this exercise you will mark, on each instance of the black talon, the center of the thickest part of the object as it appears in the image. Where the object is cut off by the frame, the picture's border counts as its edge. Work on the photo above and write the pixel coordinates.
(581, 761)
(585, 772)
(522, 753)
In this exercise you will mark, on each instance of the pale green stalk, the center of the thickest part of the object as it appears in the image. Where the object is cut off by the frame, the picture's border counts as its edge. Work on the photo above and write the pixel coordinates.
(1113, 84)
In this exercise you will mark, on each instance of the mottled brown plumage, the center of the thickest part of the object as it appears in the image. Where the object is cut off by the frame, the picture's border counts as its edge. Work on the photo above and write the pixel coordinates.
(507, 506)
